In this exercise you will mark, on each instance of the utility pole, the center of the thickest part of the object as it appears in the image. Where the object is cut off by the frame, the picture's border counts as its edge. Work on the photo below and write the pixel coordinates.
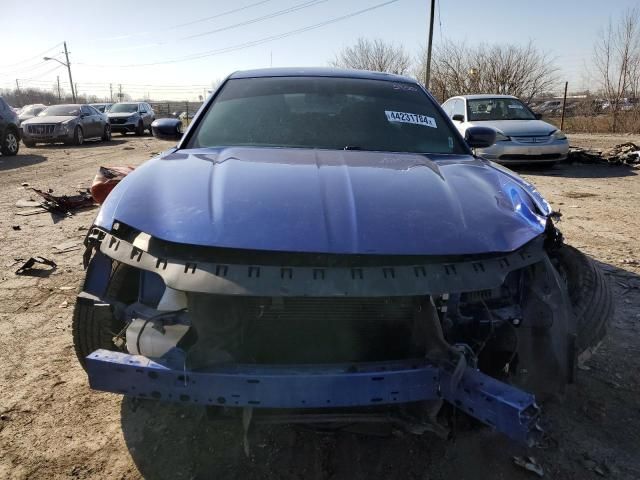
(427, 76)
(58, 80)
(120, 92)
(66, 54)
(564, 102)
(111, 92)
(18, 88)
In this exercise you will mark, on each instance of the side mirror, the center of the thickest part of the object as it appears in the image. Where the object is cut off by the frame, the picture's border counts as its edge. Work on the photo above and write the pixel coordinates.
(458, 117)
(167, 129)
(537, 115)
(480, 137)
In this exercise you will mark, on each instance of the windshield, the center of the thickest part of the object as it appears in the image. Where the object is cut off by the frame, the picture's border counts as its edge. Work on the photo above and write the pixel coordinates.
(124, 108)
(498, 109)
(61, 110)
(31, 110)
(327, 113)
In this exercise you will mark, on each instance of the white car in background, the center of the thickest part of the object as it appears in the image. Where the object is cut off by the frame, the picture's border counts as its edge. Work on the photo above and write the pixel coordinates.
(521, 137)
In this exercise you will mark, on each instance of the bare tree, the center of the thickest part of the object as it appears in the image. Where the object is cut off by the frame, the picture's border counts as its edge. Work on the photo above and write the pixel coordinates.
(616, 58)
(520, 70)
(375, 55)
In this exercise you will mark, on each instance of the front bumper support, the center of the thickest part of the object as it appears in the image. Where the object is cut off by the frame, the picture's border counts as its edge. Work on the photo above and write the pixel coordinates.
(501, 406)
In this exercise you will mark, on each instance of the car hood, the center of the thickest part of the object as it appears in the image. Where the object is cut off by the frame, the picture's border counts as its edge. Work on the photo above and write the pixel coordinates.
(120, 115)
(52, 119)
(519, 127)
(328, 201)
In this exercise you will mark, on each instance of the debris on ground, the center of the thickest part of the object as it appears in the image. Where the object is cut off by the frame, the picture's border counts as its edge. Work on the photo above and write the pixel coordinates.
(529, 463)
(29, 264)
(65, 247)
(16, 227)
(64, 204)
(27, 203)
(106, 179)
(622, 154)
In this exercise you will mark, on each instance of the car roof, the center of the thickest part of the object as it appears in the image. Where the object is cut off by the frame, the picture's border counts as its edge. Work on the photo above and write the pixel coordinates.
(484, 96)
(320, 72)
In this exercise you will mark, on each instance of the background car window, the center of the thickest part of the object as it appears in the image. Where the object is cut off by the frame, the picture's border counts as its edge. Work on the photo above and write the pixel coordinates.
(3, 105)
(329, 113)
(124, 108)
(458, 107)
(93, 110)
(498, 109)
(448, 107)
(62, 110)
(85, 110)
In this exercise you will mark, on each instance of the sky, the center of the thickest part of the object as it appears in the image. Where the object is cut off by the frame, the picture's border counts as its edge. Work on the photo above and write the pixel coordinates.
(149, 47)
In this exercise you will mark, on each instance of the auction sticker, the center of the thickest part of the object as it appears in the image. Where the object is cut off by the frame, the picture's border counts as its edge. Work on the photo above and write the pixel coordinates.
(415, 118)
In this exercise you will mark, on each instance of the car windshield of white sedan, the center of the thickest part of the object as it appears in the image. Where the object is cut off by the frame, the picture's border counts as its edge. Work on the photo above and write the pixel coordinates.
(326, 113)
(124, 108)
(61, 111)
(497, 109)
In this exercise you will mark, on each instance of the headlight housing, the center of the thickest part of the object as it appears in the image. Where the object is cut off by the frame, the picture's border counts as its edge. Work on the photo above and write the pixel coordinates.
(501, 137)
(558, 135)
(63, 127)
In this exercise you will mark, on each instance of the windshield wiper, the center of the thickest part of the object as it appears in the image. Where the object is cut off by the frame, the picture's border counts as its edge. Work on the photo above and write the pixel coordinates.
(354, 147)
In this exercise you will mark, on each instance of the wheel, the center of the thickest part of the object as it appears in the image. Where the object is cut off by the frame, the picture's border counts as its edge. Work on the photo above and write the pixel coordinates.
(140, 129)
(106, 136)
(95, 328)
(10, 143)
(29, 144)
(590, 295)
(78, 136)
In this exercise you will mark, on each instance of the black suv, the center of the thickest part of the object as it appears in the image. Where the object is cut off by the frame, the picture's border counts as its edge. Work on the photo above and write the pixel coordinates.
(9, 131)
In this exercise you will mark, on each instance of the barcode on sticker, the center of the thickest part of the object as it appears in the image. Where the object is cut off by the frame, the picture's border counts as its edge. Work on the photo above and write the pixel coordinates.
(415, 118)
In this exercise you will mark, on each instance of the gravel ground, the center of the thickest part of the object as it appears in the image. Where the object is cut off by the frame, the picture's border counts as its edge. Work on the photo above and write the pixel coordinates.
(52, 426)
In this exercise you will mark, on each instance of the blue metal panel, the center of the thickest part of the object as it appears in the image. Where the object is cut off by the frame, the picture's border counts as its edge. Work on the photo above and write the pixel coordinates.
(323, 201)
(98, 274)
(494, 403)
(264, 387)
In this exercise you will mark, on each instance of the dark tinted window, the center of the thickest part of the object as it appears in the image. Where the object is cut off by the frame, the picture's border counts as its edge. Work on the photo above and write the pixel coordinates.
(328, 113)
(124, 108)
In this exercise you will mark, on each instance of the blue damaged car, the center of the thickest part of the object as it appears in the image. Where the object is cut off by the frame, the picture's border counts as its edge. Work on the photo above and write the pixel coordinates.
(325, 244)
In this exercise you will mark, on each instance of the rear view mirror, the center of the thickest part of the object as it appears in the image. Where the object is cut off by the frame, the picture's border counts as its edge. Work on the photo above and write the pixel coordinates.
(480, 137)
(458, 117)
(167, 129)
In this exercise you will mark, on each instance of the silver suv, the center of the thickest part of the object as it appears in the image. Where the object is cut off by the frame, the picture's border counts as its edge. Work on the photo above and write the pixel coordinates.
(131, 117)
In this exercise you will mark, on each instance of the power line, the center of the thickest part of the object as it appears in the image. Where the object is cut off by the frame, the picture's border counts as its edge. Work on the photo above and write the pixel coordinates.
(241, 46)
(200, 20)
(40, 55)
(278, 13)
(228, 12)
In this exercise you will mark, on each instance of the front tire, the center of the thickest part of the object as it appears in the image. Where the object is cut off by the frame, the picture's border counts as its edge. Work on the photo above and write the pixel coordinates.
(78, 136)
(106, 136)
(140, 129)
(590, 295)
(10, 143)
(92, 327)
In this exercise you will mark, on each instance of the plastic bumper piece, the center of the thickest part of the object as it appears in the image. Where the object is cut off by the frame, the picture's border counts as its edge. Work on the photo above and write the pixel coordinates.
(501, 406)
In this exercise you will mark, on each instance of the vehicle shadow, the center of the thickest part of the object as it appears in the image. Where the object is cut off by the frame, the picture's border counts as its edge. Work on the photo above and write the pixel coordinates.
(173, 441)
(86, 144)
(20, 161)
(578, 170)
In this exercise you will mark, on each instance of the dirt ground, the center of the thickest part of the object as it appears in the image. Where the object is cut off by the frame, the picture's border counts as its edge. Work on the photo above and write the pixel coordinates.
(52, 426)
